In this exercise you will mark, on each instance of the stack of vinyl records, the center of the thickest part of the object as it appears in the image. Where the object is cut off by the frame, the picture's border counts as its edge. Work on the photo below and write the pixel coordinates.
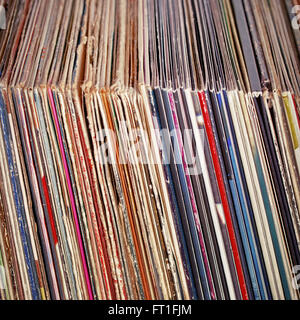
(149, 149)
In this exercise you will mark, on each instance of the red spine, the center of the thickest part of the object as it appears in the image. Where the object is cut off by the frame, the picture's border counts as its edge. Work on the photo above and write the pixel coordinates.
(48, 204)
(297, 113)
